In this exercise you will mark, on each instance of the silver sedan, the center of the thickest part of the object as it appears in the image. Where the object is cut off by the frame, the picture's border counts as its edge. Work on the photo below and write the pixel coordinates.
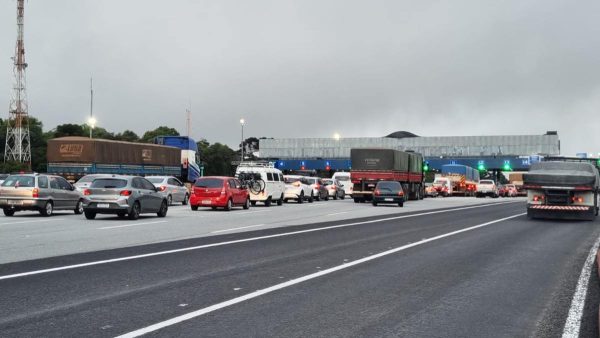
(171, 188)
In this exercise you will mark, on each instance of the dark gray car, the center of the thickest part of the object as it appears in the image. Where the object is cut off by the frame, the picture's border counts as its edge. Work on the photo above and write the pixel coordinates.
(43, 193)
(124, 196)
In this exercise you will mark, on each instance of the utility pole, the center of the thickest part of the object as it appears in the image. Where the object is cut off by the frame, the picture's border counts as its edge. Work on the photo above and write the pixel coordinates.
(18, 145)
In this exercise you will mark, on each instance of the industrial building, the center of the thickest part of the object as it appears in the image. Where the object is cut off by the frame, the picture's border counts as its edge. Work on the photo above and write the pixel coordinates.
(493, 152)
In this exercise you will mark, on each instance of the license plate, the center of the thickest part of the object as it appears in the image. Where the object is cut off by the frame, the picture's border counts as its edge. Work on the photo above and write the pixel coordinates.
(389, 200)
(13, 202)
(102, 205)
(207, 202)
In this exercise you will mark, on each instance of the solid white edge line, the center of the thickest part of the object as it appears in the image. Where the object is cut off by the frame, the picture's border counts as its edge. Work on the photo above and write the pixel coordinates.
(573, 322)
(232, 229)
(280, 286)
(130, 225)
(166, 252)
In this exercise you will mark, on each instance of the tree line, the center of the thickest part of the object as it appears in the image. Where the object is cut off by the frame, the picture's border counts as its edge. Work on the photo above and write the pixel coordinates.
(217, 158)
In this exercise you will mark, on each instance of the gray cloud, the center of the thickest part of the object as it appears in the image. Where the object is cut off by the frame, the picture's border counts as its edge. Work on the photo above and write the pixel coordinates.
(312, 68)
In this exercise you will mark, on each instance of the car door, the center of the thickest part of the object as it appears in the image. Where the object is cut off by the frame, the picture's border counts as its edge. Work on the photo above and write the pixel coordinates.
(177, 187)
(71, 197)
(140, 193)
(58, 196)
(153, 197)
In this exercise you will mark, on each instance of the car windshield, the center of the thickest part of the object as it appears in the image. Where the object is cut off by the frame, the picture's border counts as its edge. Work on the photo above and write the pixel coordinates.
(291, 179)
(155, 179)
(108, 183)
(19, 181)
(209, 183)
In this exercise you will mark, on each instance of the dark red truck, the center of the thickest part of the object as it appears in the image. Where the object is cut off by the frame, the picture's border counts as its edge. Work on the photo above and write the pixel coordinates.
(371, 165)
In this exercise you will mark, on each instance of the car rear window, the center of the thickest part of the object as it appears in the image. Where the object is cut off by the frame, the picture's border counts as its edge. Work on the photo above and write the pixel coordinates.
(291, 179)
(343, 178)
(108, 183)
(209, 183)
(88, 178)
(19, 181)
(388, 185)
(155, 179)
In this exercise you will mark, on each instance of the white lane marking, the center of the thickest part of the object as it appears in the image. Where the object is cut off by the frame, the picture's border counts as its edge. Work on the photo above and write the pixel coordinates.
(34, 221)
(573, 323)
(255, 211)
(338, 213)
(299, 280)
(130, 225)
(232, 229)
(159, 253)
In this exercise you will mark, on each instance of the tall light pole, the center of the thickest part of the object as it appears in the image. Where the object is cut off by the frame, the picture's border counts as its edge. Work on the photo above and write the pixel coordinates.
(92, 123)
(242, 123)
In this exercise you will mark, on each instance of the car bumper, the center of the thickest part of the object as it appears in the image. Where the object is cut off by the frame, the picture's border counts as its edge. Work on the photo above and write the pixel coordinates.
(22, 203)
(383, 199)
(201, 201)
(106, 207)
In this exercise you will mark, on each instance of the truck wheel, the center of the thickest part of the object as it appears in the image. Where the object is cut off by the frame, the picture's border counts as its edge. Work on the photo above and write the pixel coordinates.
(9, 211)
(356, 200)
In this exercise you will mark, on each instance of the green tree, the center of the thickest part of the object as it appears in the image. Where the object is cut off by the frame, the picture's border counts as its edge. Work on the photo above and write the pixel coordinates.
(128, 136)
(160, 131)
(217, 158)
(69, 129)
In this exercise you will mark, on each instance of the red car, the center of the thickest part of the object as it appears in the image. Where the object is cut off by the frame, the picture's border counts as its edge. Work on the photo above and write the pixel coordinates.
(219, 192)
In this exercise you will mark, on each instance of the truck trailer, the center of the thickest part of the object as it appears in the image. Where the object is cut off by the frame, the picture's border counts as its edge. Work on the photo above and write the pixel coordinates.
(74, 157)
(456, 180)
(562, 190)
(371, 165)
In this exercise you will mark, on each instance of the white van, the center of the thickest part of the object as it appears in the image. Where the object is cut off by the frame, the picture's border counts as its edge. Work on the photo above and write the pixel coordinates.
(273, 182)
(344, 179)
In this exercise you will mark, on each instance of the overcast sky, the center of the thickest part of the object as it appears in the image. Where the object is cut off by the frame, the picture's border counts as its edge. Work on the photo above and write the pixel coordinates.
(314, 68)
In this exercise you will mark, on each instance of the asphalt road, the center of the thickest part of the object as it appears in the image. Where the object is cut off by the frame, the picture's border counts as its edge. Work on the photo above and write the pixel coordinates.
(472, 271)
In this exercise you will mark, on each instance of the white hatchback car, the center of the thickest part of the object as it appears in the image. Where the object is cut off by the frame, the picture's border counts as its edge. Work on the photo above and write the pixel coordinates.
(298, 189)
(344, 179)
(171, 188)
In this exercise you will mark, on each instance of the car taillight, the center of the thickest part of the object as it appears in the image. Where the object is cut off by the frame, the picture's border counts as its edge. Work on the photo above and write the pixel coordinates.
(400, 193)
(35, 192)
(162, 188)
(125, 193)
(223, 191)
(87, 192)
(538, 198)
(317, 186)
(577, 199)
(377, 192)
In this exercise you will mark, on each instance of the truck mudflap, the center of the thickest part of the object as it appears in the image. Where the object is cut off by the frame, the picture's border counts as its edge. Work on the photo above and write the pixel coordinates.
(565, 212)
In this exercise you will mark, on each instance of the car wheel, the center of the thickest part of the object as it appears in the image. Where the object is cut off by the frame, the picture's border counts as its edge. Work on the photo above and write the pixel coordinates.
(90, 214)
(253, 203)
(311, 199)
(374, 203)
(327, 197)
(194, 207)
(301, 198)
(213, 208)
(47, 209)
(79, 208)
(280, 200)
(343, 195)
(9, 212)
(164, 207)
(229, 205)
(185, 199)
(268, 202)
(356, 200)
(169, 200)
(121, 215)
(401, 204)
(247, 204)
(135, 211)
(317, 198)
(335, 196)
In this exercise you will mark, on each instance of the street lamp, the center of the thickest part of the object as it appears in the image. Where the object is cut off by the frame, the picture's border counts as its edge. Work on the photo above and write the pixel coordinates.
(92, 123)
(336, 136)
(242, 123)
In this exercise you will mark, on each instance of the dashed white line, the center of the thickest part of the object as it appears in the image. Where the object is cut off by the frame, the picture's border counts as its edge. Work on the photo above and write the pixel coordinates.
(338, 213)
(34, 221)
(212, 245)
(299, 280)
(573, 323)
(130, 225)
(233, 229)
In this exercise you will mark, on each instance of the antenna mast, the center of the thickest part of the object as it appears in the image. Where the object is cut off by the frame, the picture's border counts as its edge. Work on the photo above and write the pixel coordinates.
(18, 146)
